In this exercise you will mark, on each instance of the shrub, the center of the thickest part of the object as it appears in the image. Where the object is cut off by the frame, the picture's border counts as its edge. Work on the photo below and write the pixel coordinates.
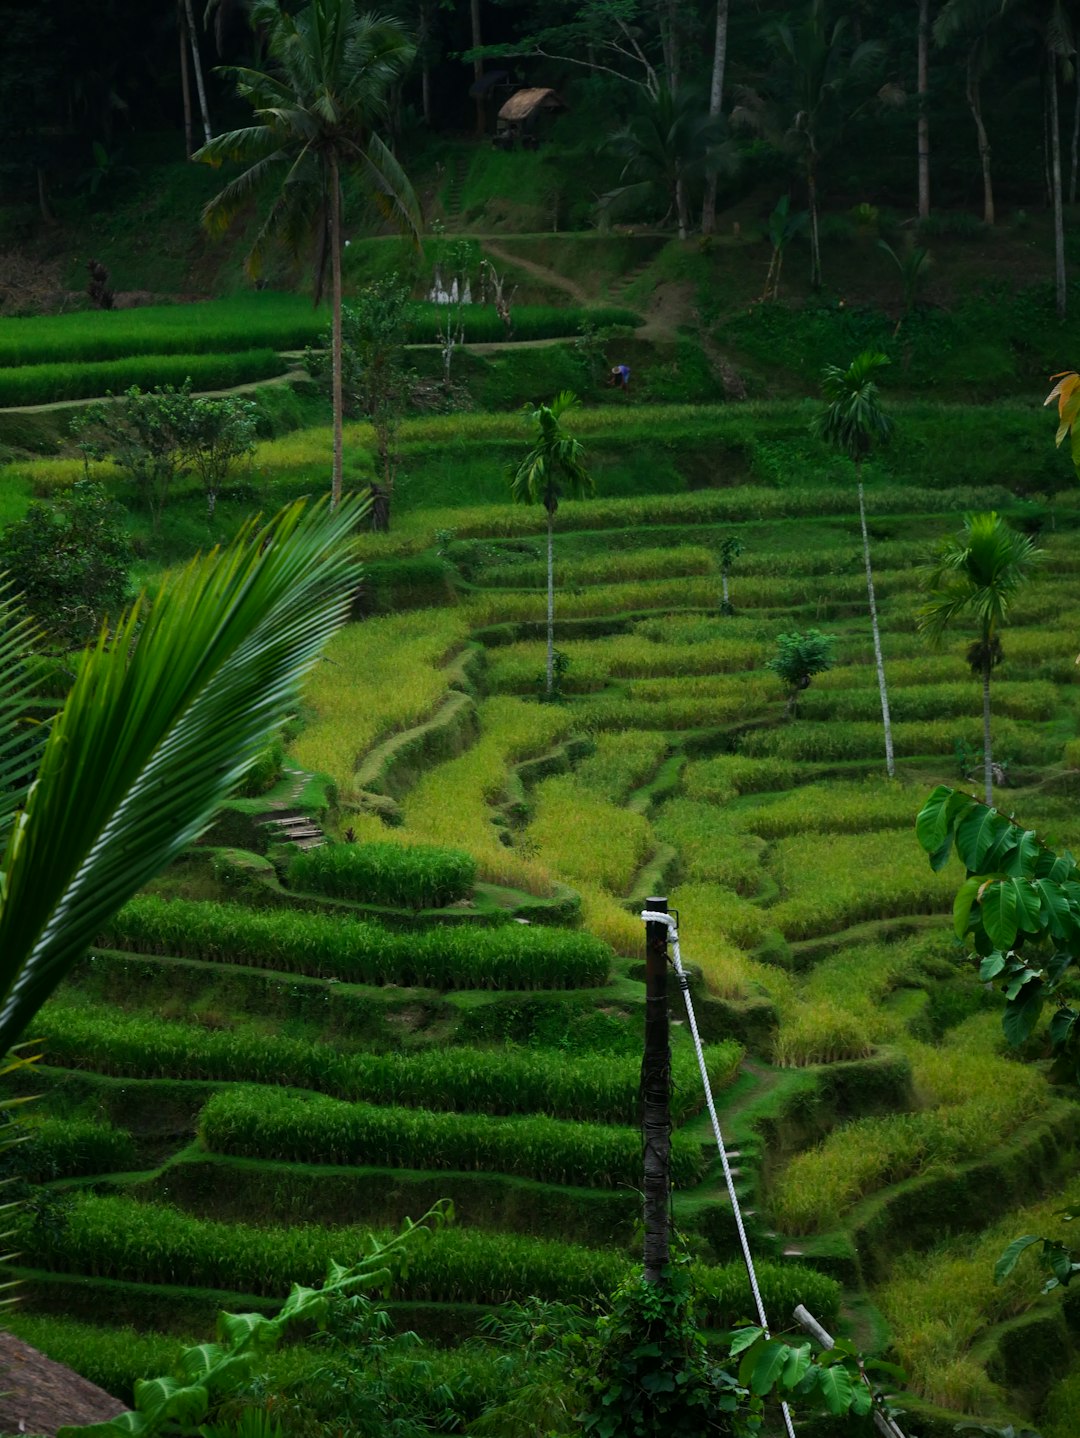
(267, 1124)
(451, 957)
(417, 876)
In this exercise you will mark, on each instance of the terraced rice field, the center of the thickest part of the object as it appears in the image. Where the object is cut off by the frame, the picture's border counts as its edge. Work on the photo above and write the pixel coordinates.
(238, 1080)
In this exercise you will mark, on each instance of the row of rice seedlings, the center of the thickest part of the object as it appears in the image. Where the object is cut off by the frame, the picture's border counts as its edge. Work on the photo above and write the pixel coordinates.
(711, 849)
(54, 1148)
(728, 776)
(607, 714)
(519, 669)
(1026, 699)
(739, 505)
(809, 741)
(449, 957)
(114, 1237)
(605, 568)
(621, 763)
(593, 1087)
(70, 379)
(853, 878)
(837, 807)
(278, 319)
(419, 876)
(831, 554)
(516, 668)
(975, 1099)
(375, 678)
(290, 1128)
(693, 592)
(939, 1305)
(585, 838)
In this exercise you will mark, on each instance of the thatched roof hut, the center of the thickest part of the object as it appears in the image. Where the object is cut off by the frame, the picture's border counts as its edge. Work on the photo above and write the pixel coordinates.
(40, 1396)
(526, 105)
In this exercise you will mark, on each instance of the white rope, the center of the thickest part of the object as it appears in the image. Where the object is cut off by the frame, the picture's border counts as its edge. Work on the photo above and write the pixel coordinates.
(655, 916)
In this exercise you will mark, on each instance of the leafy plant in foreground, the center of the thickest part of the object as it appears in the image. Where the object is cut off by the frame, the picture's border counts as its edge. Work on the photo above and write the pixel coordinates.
(211, 1371)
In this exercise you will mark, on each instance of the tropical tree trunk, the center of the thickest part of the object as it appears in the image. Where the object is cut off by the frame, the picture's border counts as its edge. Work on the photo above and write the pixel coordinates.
(716, 104)
(988, 758)
(1075, 159)
(185, 81)
(197, 63)
(974, 99)
(1060, 290)
(425, 92)
(336, 341)
(549, 686)
(815, 237)
(478, 64)
(890, 763)
(723, 586)
(682, 209)
(923, 140)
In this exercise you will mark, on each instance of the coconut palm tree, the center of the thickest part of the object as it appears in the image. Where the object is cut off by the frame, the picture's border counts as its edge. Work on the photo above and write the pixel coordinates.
(818, 82)
(670, 144)
(852, 422)
(978, 573)
(553, 469)
(317, 103)
(168, 711)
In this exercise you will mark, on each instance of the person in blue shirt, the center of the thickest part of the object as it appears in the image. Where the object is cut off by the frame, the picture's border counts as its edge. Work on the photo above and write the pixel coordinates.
(620, 375)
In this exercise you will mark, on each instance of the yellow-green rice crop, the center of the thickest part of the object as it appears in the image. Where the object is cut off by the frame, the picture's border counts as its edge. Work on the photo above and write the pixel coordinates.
(716, 929)
(711, 848)
(837, 807)
(806, 740)
(939, 1306)
(827, 887)
(585, 838)
(1030, 699)
(620, 763)
(979, 1100)
(719, 780)
(620, 565)
(375, 678)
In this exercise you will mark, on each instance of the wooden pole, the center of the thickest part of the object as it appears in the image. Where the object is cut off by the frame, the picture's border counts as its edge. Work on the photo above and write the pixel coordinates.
(656, 1098)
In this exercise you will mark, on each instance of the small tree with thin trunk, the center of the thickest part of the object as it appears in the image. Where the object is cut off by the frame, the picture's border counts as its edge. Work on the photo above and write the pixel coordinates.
(553, 469)
(851, 422)
(797, 659)
(730, 549)
(978, 574)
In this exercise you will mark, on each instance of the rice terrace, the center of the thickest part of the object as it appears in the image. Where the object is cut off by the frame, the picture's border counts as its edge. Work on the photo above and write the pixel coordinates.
(539, 748)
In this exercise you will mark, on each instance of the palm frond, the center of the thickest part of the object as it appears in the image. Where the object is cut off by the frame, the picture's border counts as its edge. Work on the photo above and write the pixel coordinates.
(20, 738)
(164, 717)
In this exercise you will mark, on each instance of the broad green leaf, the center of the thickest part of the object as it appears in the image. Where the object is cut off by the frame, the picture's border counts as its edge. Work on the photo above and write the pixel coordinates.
(998, 910)
(797, 1365)
(1022, 1013)
(932, 825)
(837, 1389)
(1009, 1259)
(991, 966)
(977, 832)
(769, 1366)
(743, 1338)
(1027, 854)
(1028, 906)
(965, 898)
(1062, 1026)
(1055, 907)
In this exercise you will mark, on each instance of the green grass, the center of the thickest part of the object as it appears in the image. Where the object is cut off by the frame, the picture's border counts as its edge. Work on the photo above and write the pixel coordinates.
(417, 877)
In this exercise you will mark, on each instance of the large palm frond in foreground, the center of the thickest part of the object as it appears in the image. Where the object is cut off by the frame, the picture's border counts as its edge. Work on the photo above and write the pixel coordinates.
(166, 714)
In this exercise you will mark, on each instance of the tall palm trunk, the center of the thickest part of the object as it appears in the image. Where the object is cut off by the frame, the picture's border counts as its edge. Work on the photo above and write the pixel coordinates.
(197, 63)
(1061, 293)
(724, 587)
(815, 236)
(336, 341)
(974, 99)
(478, 64)
(549, 687)
(923, 140)
(716, 104)
(1075, 160)
(185, 81)
(890, 763)
(988, 758)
